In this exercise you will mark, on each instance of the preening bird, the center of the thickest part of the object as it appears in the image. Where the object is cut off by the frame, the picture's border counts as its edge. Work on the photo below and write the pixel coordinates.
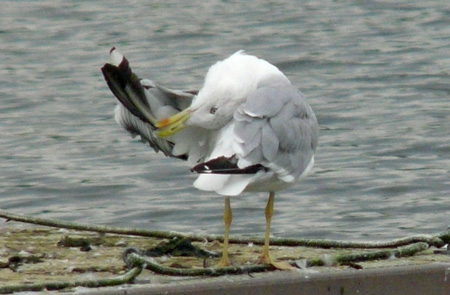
(248, 129)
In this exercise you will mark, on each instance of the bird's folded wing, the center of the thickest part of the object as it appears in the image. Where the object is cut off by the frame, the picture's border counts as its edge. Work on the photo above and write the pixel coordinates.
(143, 102)
(271, 143)
(276, 128)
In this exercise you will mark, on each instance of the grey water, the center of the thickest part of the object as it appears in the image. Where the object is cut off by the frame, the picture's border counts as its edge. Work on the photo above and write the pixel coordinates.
(377, 74)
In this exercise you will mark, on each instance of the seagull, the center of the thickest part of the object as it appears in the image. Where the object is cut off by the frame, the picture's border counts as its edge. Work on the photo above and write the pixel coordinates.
(248, 129)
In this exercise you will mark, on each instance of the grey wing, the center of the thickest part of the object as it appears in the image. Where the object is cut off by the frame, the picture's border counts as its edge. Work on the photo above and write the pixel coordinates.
(276, 128)
(143, 102)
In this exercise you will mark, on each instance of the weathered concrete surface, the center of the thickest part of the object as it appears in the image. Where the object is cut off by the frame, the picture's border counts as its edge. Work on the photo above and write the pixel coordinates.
(42, 256)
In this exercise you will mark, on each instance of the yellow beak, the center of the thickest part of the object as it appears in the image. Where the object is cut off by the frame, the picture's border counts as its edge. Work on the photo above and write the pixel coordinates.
(170, 126)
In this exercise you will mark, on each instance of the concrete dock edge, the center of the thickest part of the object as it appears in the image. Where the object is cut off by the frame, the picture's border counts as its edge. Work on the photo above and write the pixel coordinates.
(432, 279)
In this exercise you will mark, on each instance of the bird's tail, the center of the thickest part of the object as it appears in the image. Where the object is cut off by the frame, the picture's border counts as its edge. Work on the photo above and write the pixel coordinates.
(127, 88)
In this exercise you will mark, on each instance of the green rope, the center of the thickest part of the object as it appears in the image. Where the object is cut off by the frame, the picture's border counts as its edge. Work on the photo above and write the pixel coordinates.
(405, 247)
(438, 240)
(51, 286)
(405, 251)
(152, 265)
(234, 270)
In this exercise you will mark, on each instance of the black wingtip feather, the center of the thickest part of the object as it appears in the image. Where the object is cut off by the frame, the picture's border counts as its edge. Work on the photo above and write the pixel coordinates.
(118, 78)
(224, 165)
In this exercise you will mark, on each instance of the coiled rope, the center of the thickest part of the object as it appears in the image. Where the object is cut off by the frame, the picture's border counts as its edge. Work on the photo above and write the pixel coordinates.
(137, 262)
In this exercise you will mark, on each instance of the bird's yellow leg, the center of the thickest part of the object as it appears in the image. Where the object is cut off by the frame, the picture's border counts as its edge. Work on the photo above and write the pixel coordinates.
(227, 217)
(265, 256)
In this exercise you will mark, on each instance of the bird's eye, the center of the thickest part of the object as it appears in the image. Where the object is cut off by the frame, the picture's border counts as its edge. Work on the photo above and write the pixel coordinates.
(213, 110)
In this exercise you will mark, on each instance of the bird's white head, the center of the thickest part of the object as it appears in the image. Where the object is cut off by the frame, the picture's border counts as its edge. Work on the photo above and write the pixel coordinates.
(227, 85)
